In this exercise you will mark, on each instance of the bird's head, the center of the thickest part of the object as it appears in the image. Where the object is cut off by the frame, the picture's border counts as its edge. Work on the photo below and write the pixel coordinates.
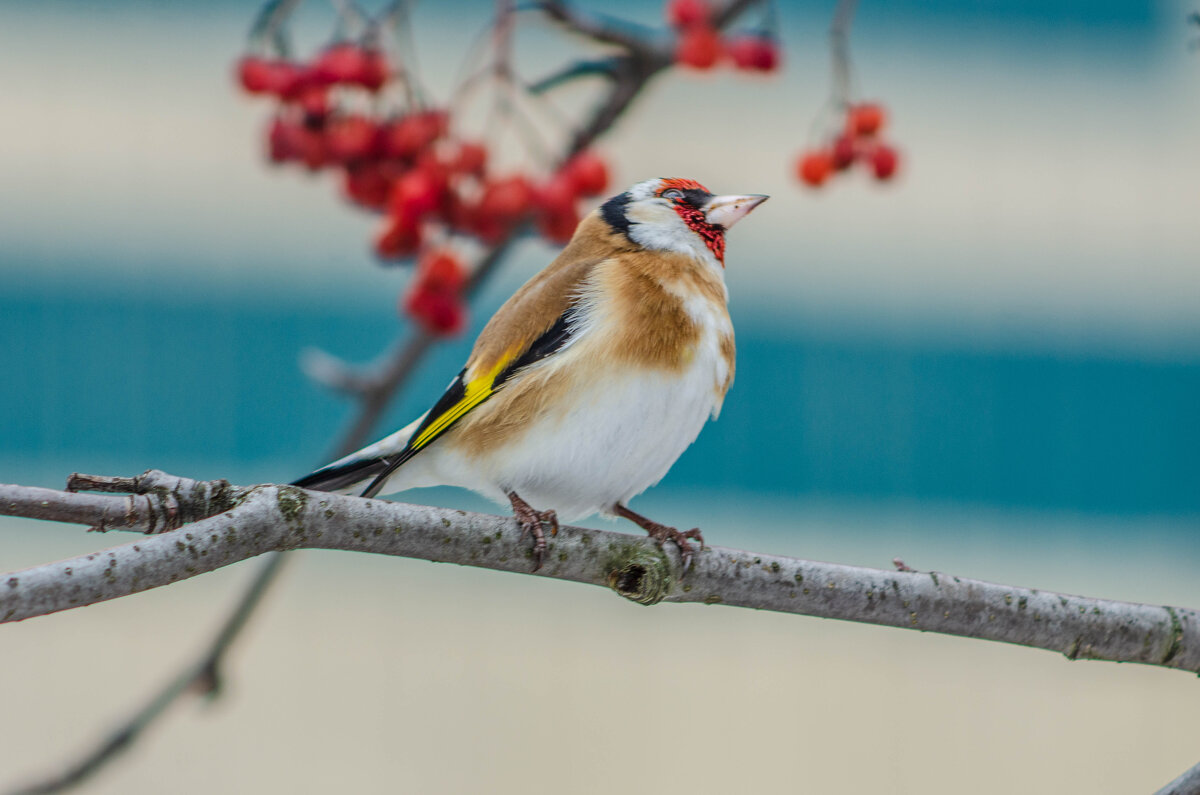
(679, 215)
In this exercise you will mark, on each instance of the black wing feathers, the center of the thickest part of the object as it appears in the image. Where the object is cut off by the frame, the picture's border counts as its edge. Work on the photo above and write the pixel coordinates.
(380, 469)
(549, 343)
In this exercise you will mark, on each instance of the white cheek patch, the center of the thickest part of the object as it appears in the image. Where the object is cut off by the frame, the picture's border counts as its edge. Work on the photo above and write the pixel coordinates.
(655, 225)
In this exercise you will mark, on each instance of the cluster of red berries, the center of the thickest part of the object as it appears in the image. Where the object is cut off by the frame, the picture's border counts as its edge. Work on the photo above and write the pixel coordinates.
(434, 297)
(701, 46)
(858, 142)
(408, 166)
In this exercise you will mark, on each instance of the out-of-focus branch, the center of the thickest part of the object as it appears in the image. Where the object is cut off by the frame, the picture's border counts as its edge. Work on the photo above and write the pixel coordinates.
(839, 50)
(276, 518)
(606, 30)
(202, 676)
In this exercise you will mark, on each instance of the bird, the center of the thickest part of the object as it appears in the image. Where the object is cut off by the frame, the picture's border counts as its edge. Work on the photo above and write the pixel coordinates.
(587, 385)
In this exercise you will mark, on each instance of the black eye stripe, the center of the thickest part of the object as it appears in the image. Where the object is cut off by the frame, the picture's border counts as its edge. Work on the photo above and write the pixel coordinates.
(693, 197)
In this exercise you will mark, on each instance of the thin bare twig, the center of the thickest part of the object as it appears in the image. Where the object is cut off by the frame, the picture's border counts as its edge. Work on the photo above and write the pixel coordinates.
(839, 50)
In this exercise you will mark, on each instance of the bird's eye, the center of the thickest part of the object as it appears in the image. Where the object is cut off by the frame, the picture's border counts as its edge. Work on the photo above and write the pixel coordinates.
(673, 193)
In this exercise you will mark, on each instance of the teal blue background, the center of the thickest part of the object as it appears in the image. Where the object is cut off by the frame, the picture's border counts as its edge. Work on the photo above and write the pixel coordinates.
(131, 380)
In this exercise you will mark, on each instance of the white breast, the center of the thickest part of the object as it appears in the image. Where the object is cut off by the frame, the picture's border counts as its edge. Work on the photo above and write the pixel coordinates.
(613, 441)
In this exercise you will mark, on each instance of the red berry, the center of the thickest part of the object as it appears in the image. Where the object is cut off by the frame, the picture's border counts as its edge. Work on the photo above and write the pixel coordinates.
(486, 227)
(351, 138)
(685, 13)
(439, 312)
(441, 270)
(699, 47)
(865, 119)
(435, 168)
(351, 64)
(588, 172)
(471, 158)
(311, 96)
(844, 152)
(255, 74)
(558, 194)
(368, 184)
(557, 216)
(294, 140)
(407, 136)
(374, 72)
(884, 161)
(754, 52)
(399, 239)
(558, 225)
(506, 201)
(415, 195)
(814, 167)
(459, 214)
(279, 145)
(263, 76)
(341, 63)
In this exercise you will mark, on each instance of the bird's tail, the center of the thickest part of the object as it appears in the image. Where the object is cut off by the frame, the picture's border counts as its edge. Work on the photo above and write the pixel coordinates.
(357, 471)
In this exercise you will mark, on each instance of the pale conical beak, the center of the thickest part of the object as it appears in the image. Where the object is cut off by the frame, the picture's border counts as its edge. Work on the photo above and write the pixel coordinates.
(725, 211)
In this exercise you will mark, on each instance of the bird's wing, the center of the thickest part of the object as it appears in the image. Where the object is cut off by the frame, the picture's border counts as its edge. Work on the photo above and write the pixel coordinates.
(537, 322)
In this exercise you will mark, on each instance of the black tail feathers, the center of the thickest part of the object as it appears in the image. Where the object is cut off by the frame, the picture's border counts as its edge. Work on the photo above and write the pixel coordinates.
(335, 478)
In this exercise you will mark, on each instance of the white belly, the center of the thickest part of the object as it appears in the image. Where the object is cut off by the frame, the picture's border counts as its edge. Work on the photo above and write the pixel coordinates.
(612, 443)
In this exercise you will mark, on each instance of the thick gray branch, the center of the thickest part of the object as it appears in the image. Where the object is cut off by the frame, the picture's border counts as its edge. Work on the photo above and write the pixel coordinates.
(269, 518)
(1188, 783)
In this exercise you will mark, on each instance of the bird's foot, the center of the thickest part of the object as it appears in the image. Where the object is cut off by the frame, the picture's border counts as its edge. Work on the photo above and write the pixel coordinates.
(531, 521)
(662, 533)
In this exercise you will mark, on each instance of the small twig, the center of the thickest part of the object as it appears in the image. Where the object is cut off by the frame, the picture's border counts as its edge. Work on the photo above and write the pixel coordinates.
(839, 49)
(395, 21)
(607, 30)
(268, 26)
(154, 502)
(604, 67)
(331, 372)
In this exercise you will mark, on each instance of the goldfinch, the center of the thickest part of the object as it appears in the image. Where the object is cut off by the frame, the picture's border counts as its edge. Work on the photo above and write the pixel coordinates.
(591, 380)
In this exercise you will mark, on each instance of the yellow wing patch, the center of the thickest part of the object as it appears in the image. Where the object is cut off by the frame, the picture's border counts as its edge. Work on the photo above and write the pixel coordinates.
(476, 391)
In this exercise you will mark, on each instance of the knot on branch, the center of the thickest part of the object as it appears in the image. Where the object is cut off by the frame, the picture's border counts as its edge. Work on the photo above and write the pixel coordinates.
(169, 501)
(639, 573)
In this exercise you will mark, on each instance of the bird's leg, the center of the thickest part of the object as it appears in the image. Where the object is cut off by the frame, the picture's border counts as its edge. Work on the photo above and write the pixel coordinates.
(531, 522)
(661, 533)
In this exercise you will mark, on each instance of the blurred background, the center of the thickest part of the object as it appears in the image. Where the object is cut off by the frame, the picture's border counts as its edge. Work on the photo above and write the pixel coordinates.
(989, 367)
